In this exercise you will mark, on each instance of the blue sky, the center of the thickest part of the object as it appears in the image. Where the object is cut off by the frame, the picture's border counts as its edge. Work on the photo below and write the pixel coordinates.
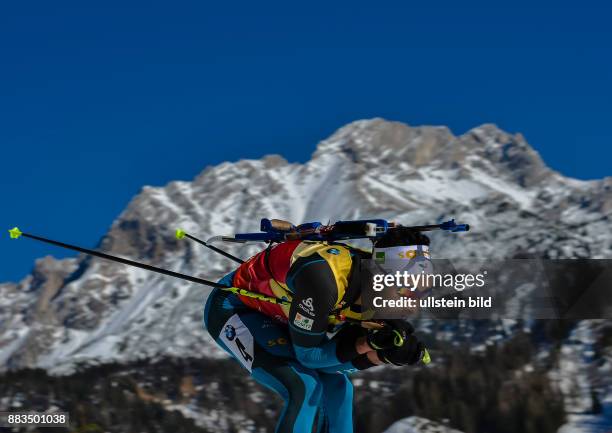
(98, 99)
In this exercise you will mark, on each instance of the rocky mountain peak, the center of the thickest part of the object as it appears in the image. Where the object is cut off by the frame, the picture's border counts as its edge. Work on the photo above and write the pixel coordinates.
(509, 154)
(379, 142)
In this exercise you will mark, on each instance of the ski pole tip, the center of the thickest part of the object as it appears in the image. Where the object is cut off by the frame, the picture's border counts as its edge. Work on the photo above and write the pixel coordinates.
(180, 234)
(15, 233)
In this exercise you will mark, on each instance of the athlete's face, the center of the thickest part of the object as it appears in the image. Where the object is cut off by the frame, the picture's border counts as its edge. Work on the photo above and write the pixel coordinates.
(401, 274)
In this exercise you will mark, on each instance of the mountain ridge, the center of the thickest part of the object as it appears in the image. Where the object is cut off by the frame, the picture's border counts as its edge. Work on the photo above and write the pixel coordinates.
(105, 311)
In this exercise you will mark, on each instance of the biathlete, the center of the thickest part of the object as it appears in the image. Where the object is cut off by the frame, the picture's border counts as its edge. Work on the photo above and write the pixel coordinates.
(287, 348)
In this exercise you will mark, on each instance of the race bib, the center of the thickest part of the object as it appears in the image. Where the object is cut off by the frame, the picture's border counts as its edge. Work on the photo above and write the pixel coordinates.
(239, 341)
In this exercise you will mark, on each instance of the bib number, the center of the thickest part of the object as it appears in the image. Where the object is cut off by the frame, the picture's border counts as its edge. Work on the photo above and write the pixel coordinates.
(239, 340)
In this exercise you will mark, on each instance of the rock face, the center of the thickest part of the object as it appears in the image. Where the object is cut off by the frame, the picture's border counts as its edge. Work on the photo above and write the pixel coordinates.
(88, 311)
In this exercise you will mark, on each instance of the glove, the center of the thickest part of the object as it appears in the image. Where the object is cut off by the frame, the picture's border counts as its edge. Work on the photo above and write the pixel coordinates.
(411, 352)
(346, 340)
(393, 334)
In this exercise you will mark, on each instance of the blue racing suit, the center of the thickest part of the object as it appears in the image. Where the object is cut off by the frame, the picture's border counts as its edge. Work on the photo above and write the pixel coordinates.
(306, 368)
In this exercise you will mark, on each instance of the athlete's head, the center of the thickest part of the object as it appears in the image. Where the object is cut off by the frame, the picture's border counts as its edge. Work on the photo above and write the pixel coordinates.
(403, 250)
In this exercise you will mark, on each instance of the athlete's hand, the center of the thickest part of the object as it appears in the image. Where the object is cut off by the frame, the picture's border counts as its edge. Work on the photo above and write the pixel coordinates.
(411, 352)
(393, 334)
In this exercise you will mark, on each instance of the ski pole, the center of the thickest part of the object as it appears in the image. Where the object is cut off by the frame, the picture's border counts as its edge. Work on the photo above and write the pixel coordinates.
(15, 233)
(180, 234)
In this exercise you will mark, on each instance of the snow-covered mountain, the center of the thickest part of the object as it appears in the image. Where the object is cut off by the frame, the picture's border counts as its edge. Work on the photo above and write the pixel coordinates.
(91, 310)
(86, 311)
